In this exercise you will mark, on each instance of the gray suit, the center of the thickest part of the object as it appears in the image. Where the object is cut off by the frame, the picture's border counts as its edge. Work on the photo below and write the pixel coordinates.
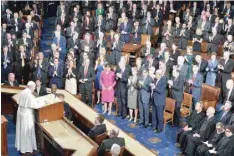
(214, 43)
(144, 100)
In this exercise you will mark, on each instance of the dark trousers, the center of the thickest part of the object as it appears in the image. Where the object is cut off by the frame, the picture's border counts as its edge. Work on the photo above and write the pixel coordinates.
(201, 150)
(57, 81)
(181, 137)
(157, 116)
(122, 102)
(177, 113)
(144, 111)
(191, 145)
(22, 72)
(86, 93)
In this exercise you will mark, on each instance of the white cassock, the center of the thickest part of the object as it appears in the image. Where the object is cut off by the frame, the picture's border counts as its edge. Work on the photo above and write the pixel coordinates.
(25, 125)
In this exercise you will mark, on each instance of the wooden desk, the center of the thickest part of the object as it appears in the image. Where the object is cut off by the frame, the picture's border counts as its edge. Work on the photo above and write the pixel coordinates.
(4, 151)
(132, 49)
(87, 114)
(67, 139)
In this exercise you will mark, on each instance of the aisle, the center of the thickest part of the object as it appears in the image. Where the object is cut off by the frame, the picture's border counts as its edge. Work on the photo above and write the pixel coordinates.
(163, 144)
(47, 35)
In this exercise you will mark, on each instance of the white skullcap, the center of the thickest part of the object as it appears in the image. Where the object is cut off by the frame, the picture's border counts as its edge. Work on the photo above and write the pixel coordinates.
(31, 83)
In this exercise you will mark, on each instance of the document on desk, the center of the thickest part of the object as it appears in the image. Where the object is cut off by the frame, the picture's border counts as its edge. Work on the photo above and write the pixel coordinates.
(48, 99)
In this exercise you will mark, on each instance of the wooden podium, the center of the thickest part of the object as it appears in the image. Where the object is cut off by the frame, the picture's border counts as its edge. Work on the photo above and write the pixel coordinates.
(4, 150)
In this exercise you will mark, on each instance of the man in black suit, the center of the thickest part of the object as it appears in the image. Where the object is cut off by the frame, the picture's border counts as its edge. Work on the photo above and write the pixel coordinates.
(40, 89)
(17, 24)
(70, 31)
(7, 63)
(11, 80)
(216, 136)
(114, 139)
(225, 66)
(122, 74)
(40, 68)
(214, 40)
(116, 50)
(73, 42)
(27, 42)
(192, 125)
(225, 145)
(177, 85)
(7, 17)
(86, 76)
(99, 127)
(67, 109)
(159, 99)
(203, 134)
(202, 65)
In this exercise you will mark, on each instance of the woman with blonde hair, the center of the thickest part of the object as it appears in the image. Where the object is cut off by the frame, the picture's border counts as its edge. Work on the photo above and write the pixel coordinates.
(99, 67)
(70, 73)
(189, 61)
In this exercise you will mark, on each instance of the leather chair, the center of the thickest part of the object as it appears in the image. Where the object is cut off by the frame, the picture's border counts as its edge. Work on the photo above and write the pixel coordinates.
(107, 152)
(204, 47)
(100, 138)
(210, 96)
(186, 105)
(220, 50)
(190, 43)
(144, 38)
(169, 111)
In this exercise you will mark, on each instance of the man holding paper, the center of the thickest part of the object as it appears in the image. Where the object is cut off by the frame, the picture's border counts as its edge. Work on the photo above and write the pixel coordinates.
(25, 127)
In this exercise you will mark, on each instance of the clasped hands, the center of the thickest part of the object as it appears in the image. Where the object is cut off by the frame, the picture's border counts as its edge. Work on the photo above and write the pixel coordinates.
(83, 80)
(119, 75)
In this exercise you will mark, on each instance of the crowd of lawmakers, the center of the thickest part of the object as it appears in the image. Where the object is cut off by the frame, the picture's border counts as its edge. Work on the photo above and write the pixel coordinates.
(86, 57)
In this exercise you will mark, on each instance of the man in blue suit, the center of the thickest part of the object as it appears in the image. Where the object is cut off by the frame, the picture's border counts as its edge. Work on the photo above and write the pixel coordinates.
(159, 100)
(144, 100)
(196, 85)
(177, 87)
(56, 73)
(60, 41)
(125, 30)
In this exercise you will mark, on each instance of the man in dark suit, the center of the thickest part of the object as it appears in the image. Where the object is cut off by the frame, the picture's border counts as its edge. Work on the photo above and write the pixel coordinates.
(203, 134)
(230, 92)
(216, 136)
(214, 40)
(40, 89)
(7, 17)
(136, 33)
(60, 41)
(177, 85)
(73, 42)
(40, 68)
(116, 50)
(202, 65)
(111, 19)
(17, 24)
(70, 31)
(225, 145)
(144, 99)
(192, 124)
(159, 100)
(134, 13)
(125, 30)
(195, 85)
(225, 66)
(158, 14)
(145, 51)
(99, 127)
(86, 76)
(56, 71)
(11, 80)
(22, 70)
(226, 114)
(7, 63)
(87, 42)
(122, 74)
(183, 37)
(147, 24)
(27, 42)
(107, 144)
(67, 109)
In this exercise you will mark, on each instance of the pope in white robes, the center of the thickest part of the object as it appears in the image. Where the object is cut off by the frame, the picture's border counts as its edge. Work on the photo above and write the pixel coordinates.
(25, 125)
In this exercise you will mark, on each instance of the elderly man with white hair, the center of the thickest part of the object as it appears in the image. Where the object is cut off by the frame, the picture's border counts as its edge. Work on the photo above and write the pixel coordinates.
(115, 150)
(226, 114)
(25, 127)
(230, 91)
(114, 139)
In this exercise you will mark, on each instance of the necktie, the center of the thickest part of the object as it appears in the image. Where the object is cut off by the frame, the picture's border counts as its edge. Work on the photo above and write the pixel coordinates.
(85, 71)
(23, 62)
(38, 70)
(5, 60)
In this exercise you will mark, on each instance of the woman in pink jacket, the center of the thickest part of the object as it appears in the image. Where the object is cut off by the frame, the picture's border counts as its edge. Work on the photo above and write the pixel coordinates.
(107, 81)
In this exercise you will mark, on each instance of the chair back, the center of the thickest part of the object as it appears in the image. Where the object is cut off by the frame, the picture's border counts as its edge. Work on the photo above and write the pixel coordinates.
(204, 47)
(170, 105)
(210, 93)
(186, 105)
(100, 138)
(144, 38)
(107, 152)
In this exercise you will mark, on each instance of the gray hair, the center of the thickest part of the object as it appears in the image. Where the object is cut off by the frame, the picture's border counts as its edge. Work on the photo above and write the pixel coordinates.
(115, 150)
